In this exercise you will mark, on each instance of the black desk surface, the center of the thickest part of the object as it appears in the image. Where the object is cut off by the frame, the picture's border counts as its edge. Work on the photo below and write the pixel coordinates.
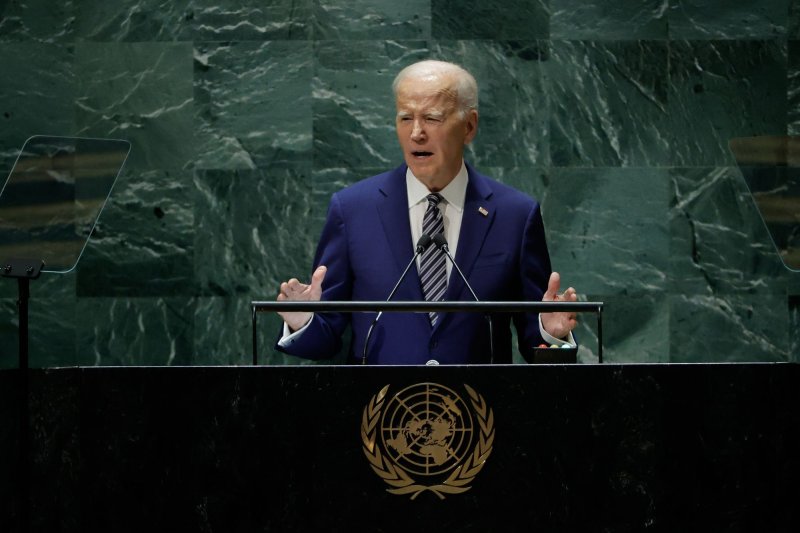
(612, 448)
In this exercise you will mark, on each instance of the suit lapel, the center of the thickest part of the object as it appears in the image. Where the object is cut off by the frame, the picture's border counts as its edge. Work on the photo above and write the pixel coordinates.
(392, 206)
(474, 228)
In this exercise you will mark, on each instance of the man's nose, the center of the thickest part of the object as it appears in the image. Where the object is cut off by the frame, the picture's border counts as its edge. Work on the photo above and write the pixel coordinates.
(417, 131)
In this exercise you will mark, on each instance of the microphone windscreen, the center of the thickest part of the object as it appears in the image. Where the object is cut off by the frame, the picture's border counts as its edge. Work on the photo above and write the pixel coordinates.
(423, 243)
(439, 240)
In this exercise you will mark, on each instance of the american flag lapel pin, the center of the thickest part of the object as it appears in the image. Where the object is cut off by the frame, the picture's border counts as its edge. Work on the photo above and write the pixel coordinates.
(482, 210)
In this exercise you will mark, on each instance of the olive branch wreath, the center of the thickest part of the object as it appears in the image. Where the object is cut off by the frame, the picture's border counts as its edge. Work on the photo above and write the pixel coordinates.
(458, 480)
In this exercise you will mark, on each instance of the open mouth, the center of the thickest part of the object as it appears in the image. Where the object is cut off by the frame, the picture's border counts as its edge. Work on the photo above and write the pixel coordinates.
(421, 154)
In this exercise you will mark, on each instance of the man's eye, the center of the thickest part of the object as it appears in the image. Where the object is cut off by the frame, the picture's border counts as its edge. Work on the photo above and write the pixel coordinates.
(433, 119)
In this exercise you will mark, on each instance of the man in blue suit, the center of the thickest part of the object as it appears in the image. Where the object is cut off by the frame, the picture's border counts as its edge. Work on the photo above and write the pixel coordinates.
(495, 233)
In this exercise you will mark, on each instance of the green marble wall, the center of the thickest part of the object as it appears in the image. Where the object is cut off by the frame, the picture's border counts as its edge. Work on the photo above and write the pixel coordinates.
(245, 116)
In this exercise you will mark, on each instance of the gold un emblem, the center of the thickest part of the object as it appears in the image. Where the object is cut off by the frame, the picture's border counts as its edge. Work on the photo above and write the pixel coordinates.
(426, 437)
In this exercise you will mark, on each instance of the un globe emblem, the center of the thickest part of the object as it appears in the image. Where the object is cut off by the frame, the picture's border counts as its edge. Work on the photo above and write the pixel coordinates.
(426, 429)
(426, 437)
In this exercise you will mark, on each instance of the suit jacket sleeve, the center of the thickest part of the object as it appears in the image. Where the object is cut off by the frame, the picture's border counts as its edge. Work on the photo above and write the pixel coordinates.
(322, 339)
(535, 272)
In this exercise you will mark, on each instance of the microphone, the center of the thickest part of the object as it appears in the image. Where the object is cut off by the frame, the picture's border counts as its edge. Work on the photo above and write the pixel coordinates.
(441, 244)
(422, 244)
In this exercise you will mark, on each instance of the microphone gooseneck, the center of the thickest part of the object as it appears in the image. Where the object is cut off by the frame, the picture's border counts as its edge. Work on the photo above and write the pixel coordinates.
(422, 244)
(441, 243)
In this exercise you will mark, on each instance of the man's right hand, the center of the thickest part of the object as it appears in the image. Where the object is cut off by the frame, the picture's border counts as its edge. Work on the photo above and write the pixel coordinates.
(293, 290)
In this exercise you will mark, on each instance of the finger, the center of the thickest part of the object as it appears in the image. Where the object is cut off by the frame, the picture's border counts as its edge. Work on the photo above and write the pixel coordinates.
(316, 282)
(552, 287)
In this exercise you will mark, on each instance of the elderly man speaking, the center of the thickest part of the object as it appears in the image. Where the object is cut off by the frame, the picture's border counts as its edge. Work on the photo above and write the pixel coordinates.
(373, 229)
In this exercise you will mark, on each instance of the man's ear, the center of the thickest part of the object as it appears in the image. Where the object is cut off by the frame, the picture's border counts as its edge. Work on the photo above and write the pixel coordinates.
(470, 125)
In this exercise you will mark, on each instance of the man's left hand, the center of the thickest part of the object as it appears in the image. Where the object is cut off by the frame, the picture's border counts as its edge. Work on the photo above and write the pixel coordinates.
(558, 324)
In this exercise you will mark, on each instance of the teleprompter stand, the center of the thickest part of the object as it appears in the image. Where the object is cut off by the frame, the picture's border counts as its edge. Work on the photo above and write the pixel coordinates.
(49, 206)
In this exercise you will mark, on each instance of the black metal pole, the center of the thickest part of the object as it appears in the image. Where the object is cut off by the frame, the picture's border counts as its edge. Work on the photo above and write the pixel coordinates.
(255, 336)
(600, 334)
(24, 408)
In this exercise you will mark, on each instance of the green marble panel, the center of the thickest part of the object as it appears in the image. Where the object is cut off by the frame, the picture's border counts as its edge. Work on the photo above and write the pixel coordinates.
(611, 228)
(793, 90)
(135, 331)
(718, 241)
(479, 19)
(37, 95)
(31, 21)
(618, 20)
(141, 92)
(720, 90)
(353, 104)
(223, 334)
(255, 20)
(143, 243)
(133, 20)
(609, 101)
(512, 80)
(793, 24)
(252, 103)
(250, 230)
(635, 328)
(723, 19)
(364, 19)
(728, 328)
(52, 321)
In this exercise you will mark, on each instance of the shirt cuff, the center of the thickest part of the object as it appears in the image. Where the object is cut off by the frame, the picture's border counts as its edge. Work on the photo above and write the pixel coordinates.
(288, 337)
(549, 339)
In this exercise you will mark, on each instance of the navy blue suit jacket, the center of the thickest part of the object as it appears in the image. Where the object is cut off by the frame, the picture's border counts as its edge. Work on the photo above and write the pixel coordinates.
(366, 243)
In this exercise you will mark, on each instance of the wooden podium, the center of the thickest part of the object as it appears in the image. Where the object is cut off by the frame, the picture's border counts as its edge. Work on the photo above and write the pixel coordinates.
(613, 448)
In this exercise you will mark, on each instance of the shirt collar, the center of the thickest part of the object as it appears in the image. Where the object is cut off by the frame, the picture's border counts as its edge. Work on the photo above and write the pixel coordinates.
(454, 194)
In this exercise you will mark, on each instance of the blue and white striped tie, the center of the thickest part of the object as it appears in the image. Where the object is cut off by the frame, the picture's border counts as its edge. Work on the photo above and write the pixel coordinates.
(432, 266)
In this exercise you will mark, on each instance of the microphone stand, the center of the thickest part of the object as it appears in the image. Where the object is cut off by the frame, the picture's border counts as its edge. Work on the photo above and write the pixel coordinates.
(441, 244)
(422, 245)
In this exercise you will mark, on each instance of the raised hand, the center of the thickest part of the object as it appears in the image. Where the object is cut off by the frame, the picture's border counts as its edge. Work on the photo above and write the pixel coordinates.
(558, 324)
(293, 290)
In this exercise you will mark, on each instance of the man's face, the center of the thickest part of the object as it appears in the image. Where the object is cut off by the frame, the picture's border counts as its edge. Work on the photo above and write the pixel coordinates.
(431, 131)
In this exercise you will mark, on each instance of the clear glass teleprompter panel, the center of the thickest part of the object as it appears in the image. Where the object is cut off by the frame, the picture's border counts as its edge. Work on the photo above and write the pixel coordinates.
(53, 196)
(770, 166)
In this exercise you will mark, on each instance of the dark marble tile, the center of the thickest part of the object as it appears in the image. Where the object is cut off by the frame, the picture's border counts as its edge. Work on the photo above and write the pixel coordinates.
(720, 90)
(253, 20)
(51, 330)
(143, 243)
(250, 232)
(37, 95)
(721, 19)
(44, 22)
(252, 103)
(621, 20)
(793, 22)
(593, 244)
(141, 92)
(722, 327)
(635, 328)
(224, 333)
(793, 89)
(353, 106)
(135, 331)
(608, 104)
(133, 20)
(475, 19)
(718, 241)
(366, 19)
(512, 77)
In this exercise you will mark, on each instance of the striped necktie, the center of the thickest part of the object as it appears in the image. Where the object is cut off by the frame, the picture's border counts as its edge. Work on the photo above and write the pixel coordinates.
(432, 267)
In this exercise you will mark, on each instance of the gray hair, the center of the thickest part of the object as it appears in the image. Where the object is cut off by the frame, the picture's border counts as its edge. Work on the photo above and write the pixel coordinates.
(465, 86)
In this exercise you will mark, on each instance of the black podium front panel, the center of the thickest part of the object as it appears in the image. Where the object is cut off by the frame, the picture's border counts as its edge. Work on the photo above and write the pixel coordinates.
(502, 448)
